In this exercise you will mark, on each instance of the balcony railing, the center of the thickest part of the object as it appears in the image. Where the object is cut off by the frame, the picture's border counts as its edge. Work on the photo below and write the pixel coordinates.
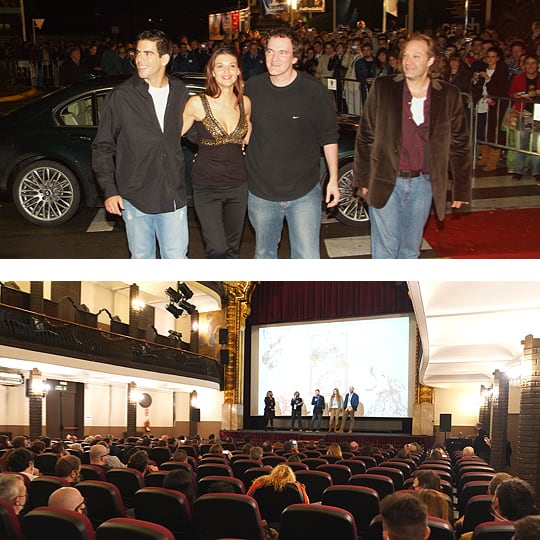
(28, 330)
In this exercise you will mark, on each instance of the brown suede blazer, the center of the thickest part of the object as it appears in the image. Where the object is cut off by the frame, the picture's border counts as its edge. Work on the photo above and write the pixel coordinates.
(378, 143)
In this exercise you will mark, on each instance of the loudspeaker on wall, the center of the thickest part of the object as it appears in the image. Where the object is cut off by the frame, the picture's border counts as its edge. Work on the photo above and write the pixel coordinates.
(223, 336)
(224, 357)
(445, 423)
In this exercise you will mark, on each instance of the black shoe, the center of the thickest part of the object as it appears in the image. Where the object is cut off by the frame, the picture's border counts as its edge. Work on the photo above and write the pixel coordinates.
(517, 176)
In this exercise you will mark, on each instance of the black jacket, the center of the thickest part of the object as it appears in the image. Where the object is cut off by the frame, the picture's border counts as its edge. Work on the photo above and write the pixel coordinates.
(132, 157)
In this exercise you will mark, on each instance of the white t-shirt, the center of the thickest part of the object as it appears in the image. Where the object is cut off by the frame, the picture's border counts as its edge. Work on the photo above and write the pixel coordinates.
(417, 110)
(160, 96)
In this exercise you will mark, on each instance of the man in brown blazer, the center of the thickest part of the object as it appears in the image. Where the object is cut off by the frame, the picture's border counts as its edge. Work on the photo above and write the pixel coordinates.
(413, 135)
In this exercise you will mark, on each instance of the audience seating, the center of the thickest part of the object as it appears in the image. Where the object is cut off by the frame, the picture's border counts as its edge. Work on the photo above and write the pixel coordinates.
(103, 500)
(205, 483)
(236, 457)
(316, 521)
(227, 515)
(331, 459)
(240, 466)
(357, 467)
(362, 502)
(368, 461)
(478, 510)
(383, 485)
(40, 490)
(56, 523)
(312, 453)
(171, 465)
(395, 474)
(473, 477)
(166, 507)
(254, 473)
(132, 529)
(341, 474)
(297, 466)
(160, 454)
(315, 482)
(440, 529)
(10, 527)
(405, 468)
(313, 463)
(273, 460)
(46, 463)
(213, 469)
(92, 472)
(470, 489)
(128, 481)
(272, 503)
(214, 458)
(494, 530)
(155, 479)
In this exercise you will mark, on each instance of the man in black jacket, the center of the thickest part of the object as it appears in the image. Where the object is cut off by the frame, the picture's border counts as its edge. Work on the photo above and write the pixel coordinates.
(318, 407)
(137, 154)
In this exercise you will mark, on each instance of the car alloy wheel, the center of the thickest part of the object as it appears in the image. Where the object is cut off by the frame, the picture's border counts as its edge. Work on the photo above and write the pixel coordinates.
(350, 210)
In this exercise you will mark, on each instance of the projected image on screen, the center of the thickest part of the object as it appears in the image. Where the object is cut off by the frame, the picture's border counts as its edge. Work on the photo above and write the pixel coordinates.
(370, 354)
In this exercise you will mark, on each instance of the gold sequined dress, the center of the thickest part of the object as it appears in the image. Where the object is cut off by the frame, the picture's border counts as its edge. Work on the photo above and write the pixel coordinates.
(220, 162)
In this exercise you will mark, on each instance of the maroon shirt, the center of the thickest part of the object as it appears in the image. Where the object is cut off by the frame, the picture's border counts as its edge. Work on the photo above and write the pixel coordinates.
(414, 155)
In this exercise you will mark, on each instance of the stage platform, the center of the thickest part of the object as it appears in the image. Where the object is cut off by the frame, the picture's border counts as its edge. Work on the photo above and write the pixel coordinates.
(380, 440)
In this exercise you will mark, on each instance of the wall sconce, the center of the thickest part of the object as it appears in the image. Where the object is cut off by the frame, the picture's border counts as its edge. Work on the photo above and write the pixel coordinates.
(137, 304)
(35, 385)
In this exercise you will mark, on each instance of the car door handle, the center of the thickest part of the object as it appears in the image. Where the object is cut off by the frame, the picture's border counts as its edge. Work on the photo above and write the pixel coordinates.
(80, 138)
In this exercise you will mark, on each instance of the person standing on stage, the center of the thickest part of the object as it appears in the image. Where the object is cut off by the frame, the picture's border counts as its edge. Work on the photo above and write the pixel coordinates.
(296, 406)
(349, 408)
(318, 407)
(336, 403)
(269, 410)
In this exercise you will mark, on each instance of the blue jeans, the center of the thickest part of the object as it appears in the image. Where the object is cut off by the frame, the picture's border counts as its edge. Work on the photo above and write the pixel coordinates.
(522, 159)
(170, 229)
(303, 217)
(397, 228)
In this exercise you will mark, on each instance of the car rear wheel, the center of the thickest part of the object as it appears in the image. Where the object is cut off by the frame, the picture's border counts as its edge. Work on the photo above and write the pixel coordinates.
(350, 210)
(46, 193)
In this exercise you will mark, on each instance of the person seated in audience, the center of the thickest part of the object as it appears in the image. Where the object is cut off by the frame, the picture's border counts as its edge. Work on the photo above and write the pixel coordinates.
(246, 448)
(513, 500)
(77, 447)
(69, 498)
(267, 447)
(220, 487)
(288, 446)
(181, 480)
(20, 442)
(256, 453)
(334, 450)
(13, 490)
(180, 456)
(139, 460)
(37, 447)
(22, 460)
(68, 468)
(368, 450)
(218, 450)
(112, 461)
(98, 456)
(404, 453)
(59, 449)
(499, 478)
(468, 451)
(439, 447)
(527, 528)
(279, 477)
(436, 503)
(4, 442)
(404, 517)
(354, 446)
(426, 479)
(295, 458)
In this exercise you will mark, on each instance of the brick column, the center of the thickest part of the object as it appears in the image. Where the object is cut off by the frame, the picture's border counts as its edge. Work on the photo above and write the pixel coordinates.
(35, 405)
(498, 433)
(528, 456)
(131, 410)
(36, 296)
(484, 415)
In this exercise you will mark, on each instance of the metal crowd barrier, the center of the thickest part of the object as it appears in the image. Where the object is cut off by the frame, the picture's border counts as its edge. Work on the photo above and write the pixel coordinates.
(32, 73)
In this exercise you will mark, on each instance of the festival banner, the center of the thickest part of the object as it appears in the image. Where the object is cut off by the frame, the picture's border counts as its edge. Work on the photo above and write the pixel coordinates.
(310, 5)
(275, 7)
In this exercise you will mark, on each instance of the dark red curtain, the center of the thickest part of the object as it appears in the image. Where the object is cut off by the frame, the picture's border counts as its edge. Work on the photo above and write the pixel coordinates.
(292, 301)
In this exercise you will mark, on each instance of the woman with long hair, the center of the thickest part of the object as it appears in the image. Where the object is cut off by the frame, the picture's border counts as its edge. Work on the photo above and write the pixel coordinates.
(221, 116)
(435, 502)
(279, 477)
(335, 405)
(334, 450)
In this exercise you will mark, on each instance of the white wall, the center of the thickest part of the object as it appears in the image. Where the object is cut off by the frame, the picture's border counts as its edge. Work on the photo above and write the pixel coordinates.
(13, 405)
(104, 405)
(461, 401)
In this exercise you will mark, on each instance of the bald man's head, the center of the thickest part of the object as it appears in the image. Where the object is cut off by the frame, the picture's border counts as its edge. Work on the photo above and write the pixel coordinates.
(69, 498)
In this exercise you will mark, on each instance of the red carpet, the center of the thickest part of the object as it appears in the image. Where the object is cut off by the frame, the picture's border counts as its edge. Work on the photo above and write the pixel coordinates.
(498, 234)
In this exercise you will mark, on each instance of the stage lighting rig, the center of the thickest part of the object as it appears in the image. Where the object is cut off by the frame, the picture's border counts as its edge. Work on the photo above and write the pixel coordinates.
(178, 300)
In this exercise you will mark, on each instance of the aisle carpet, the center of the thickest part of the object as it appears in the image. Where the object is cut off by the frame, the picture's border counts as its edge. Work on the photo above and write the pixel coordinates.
(498, 234)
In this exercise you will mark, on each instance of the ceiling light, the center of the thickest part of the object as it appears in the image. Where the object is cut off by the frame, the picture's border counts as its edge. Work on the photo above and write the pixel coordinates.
(185, 290)
(190, 308)
(174, 310)
(175, 296)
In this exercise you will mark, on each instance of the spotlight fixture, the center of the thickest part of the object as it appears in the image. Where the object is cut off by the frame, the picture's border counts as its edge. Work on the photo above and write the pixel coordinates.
(186, 306)
(175, 296)
(185, 290)
(174, 310)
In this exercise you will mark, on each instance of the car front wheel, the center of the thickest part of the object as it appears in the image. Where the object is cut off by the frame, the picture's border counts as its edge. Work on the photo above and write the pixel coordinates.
(46, 193)
(350, 210)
